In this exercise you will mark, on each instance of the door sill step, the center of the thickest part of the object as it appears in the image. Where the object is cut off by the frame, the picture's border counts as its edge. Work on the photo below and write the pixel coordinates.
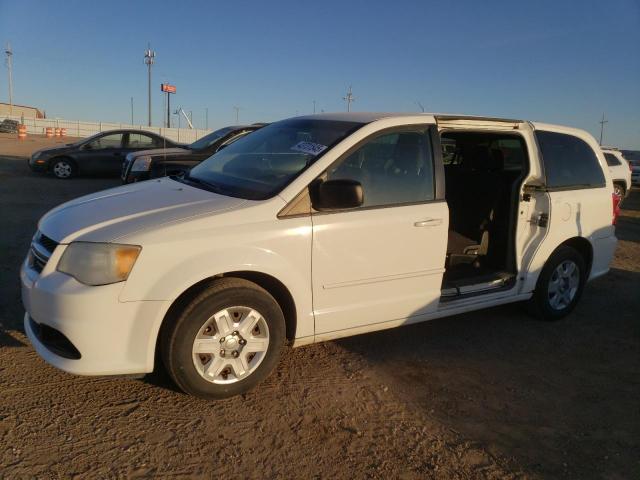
(478, 286)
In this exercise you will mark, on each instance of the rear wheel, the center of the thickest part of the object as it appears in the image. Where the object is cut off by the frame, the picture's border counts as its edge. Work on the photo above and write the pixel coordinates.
(559, 285)
(63, 168)
(225, 341)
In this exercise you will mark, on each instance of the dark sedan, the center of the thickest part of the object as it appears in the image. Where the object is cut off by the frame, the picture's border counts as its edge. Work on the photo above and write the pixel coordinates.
(162, 162)
(101, 154)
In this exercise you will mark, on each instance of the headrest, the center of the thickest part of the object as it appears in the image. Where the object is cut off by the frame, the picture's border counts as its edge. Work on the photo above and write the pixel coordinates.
(407, 156)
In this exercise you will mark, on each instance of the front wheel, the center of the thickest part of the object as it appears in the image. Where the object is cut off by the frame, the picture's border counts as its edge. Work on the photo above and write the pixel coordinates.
(225, 341)
(63, 168)
(559, 285)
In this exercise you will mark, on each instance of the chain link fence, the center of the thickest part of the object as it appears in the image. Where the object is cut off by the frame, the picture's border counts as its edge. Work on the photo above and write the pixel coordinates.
(76, 128)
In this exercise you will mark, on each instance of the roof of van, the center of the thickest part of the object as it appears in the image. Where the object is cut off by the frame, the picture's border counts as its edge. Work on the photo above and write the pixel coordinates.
(367, 117)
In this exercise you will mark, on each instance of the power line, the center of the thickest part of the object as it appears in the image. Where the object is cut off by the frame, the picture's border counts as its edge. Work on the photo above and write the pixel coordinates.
(149, 59)
(349, 98)
(602, 122)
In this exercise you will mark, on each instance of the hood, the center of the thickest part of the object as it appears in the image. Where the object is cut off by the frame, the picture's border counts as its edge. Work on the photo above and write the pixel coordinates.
(160, 151)
(54, 149)
(111, 214)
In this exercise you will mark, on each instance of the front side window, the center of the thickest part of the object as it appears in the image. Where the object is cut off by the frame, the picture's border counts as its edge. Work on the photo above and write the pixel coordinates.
(260, 165)
(108, 141)
(393, 169)
(569, 162)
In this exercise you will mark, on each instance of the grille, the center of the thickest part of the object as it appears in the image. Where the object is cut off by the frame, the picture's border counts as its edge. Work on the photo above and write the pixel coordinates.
(41, 249)
(49, 244)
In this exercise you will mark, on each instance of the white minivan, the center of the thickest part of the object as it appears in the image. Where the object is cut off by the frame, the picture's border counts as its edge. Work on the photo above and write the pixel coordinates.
(315, 228)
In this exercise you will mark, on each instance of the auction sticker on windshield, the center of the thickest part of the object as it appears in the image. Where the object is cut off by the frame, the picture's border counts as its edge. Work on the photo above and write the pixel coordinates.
(309, 148)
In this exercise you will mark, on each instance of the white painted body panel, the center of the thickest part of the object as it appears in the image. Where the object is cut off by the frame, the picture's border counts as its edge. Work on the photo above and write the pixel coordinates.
(376, 265)
(620, 172)
(347, 273)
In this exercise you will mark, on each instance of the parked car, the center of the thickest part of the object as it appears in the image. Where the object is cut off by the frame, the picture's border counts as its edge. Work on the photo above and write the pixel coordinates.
(635, 172)
(620, 170)
(101, 154)
(312, 229)
(9, 126)
(147, 164)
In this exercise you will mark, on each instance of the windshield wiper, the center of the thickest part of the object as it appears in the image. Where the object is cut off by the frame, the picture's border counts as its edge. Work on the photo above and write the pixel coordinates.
(202, 183)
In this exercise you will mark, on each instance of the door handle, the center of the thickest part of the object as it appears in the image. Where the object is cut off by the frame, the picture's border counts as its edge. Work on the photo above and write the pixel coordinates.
(429, 222)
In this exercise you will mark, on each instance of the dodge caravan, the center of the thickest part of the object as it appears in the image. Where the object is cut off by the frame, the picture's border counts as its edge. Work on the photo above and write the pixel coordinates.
(315, 228)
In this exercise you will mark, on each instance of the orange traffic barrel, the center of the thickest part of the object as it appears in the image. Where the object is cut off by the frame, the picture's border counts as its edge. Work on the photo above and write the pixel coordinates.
(57, 132)
(63, 132)
(48, 132)
(22, 132)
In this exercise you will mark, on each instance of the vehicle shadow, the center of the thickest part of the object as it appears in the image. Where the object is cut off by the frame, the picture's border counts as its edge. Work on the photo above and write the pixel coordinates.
(557, 396)
(7, 340)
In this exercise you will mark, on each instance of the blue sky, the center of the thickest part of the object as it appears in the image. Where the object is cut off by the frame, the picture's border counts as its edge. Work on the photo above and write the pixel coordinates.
(556, 61)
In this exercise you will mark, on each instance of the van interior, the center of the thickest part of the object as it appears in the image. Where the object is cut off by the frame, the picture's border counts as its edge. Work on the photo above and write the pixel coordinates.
(483, 175)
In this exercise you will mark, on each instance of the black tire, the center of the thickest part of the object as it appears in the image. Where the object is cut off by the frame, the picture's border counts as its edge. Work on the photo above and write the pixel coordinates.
(63, 168)
(540, 305)
(178, 335)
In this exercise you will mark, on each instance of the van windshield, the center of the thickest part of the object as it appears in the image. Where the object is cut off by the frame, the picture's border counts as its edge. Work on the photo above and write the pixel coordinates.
(260, 165)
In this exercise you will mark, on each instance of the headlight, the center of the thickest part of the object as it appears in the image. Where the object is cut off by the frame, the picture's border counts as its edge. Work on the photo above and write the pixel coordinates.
(98, 263)
(36, 155)
(141, 164)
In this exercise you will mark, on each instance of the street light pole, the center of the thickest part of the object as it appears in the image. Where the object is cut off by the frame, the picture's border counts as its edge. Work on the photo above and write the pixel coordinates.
(149, 58)
(9, 53)
(131, 110)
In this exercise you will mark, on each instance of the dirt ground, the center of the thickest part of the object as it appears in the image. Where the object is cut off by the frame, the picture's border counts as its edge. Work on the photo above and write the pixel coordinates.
(491, 394)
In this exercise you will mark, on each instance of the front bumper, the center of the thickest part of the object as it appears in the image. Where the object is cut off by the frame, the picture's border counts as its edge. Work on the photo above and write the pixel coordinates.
(112, 337)
(39, 165)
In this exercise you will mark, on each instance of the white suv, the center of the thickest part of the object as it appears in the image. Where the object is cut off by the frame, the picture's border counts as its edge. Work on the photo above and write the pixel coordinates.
(620, 170)
(316, 228)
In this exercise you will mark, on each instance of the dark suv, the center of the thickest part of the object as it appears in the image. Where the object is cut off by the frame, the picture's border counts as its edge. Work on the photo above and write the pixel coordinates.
(177, 161)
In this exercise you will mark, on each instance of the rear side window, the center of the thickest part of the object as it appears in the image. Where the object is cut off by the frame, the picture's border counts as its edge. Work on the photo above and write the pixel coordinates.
(612, 160)
(569, 162)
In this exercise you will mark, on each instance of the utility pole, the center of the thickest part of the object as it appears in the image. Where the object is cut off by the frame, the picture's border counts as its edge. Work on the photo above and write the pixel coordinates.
(349, 98)
(314, 106)
(420, 105)
(131, 110)
(237, 109)
(149, 58)
(9, 60)
(206, 118)
(602, 122)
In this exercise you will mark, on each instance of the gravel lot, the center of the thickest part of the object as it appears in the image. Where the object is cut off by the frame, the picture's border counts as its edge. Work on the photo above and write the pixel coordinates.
(492, 394)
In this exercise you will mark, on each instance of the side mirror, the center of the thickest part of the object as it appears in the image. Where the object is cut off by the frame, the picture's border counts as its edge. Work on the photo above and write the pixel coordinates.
(87, 146)
(336, 194)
